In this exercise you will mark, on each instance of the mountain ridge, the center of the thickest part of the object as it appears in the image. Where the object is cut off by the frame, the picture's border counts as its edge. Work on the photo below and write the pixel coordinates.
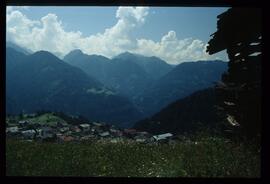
(191, 113)
(45, 82)
(181, 81)
(124, 76)
(18, 48)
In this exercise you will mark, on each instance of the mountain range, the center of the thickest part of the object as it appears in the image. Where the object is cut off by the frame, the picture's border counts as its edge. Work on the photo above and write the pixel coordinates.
(41, 81)
(120, 91)
(127, 73)
(149, 82)
(181, 81)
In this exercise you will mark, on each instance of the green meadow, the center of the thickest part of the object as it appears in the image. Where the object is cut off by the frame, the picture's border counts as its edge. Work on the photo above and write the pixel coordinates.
(202, 156)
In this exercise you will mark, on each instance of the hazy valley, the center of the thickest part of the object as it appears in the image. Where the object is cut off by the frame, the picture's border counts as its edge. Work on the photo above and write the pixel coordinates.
(119, 91)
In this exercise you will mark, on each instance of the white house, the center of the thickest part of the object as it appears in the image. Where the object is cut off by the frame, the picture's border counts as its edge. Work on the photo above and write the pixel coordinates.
(113, 130)
(85, 127)
(23, 123)
(104, 134)
(29, 133)
(162, 136)
(97, 124)
(12, 129)
(141, 140)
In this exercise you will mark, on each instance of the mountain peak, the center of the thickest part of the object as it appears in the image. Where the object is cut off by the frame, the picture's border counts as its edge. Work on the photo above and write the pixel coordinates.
(45, 55)
(73, 54)
(43, 52)
(128, 54)
(139, 56)
(76, 51)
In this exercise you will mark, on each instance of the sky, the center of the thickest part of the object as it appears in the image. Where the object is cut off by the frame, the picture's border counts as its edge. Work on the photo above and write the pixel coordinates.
(175, 34)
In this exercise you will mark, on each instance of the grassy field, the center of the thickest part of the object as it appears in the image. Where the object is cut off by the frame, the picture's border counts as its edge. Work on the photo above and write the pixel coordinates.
(204, 157)
(47, 119)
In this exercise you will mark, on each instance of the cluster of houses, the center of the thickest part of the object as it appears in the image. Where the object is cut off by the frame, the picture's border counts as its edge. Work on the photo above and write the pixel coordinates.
(63, 132)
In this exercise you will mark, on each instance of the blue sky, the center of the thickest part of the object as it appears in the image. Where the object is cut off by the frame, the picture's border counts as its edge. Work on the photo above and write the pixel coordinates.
(175, 34)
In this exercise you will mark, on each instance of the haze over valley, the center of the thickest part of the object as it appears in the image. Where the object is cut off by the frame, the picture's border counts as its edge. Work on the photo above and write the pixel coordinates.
(120, 91)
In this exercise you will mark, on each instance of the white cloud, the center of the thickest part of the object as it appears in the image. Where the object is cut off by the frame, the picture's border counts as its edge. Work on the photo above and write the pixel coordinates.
(132, 15)
(19, 27)
(49, 34)
(173, 50)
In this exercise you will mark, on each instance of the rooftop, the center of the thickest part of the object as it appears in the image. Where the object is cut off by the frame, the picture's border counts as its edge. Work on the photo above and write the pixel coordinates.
(162, 136)
(85, 125)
